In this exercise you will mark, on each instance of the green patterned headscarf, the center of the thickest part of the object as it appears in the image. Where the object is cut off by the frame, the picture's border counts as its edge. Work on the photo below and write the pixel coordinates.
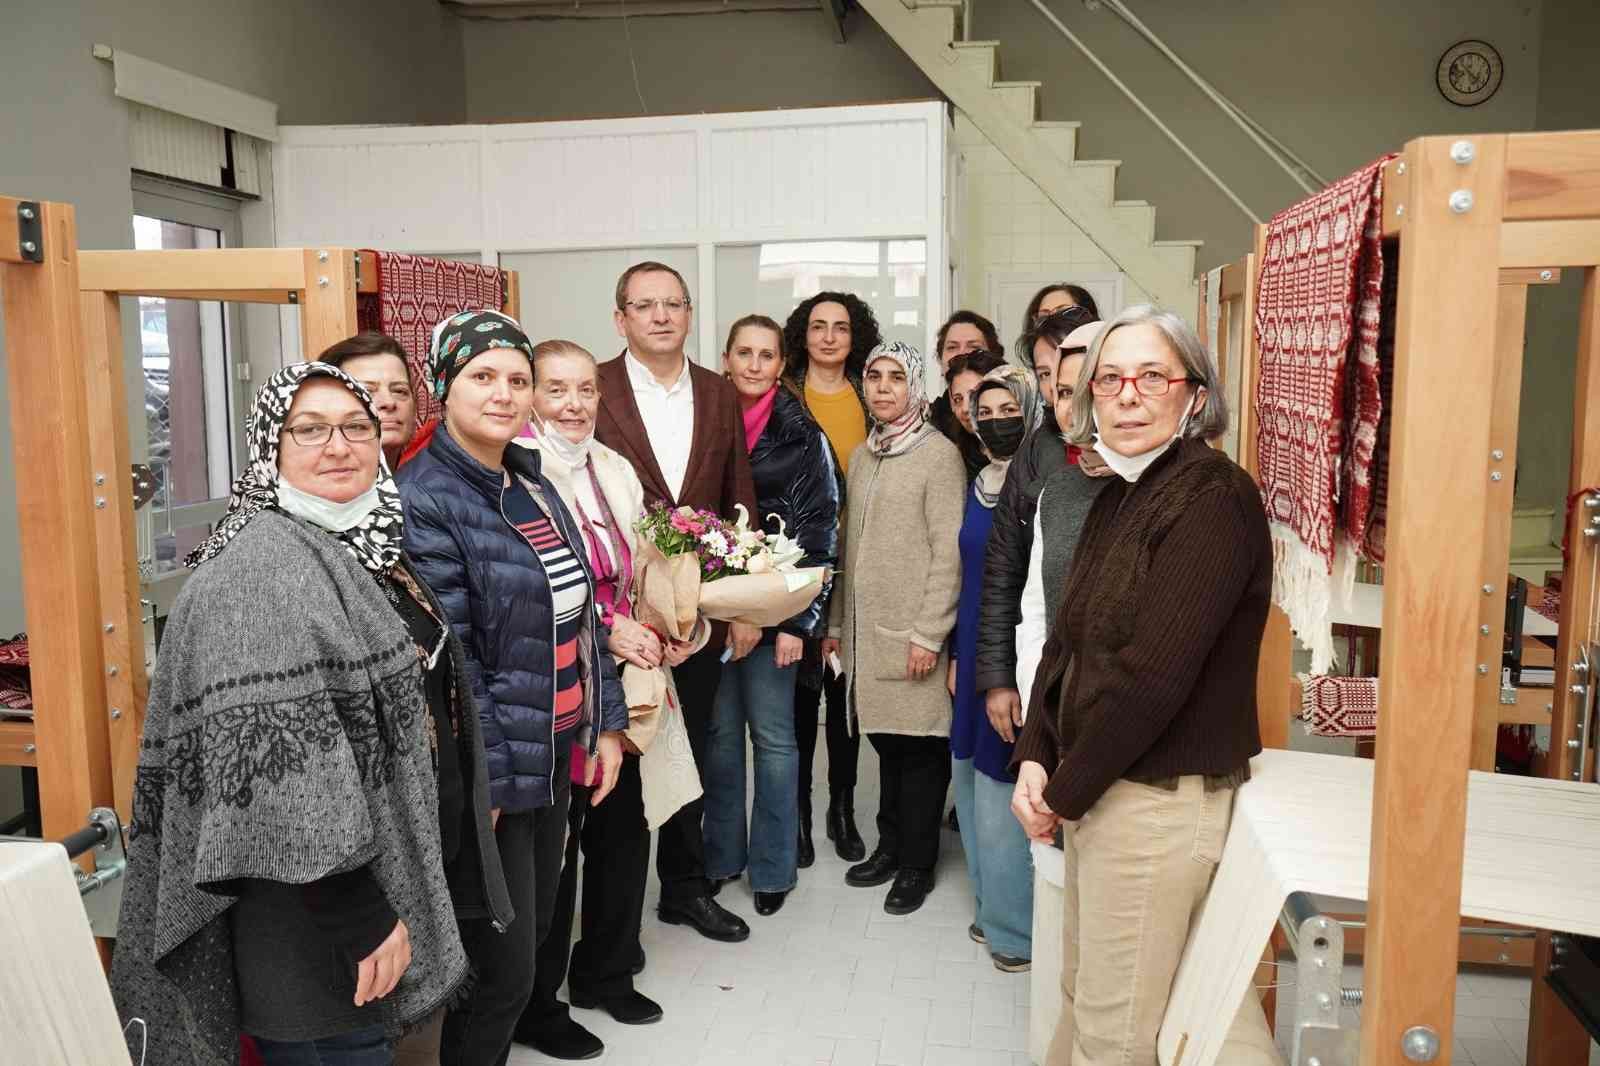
(461, 338)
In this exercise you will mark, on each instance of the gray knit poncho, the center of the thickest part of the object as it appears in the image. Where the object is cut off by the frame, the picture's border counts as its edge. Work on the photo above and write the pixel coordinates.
(285, 741)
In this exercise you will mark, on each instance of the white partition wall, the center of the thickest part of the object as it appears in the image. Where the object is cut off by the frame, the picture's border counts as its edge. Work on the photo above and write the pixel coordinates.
(752, 206)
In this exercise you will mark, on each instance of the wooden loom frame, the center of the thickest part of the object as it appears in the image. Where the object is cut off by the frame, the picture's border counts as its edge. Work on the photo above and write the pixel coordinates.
(85, 629)
(1479, 219)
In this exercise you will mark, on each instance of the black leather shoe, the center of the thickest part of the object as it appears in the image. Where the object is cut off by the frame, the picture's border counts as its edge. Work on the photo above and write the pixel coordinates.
(631, 1009)
(709, 920)
(638, 965)
(842, 828)
(911, 887)
(716, 884)
(769, 902)
(807, 853)
(878, 870)
(565, 1039)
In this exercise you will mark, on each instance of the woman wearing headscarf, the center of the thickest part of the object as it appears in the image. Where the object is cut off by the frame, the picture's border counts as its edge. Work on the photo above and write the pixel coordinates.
(308, 744)
(492, 538)
(1006, 408)
(893, 606)
(602, 491)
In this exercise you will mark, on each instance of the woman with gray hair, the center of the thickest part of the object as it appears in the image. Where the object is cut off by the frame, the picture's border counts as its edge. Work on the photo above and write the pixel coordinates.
(1142, 719)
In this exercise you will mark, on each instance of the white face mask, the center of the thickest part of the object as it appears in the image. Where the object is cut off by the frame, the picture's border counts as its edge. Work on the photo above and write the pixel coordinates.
(1131, 467)
(573, 453)
(334, 517)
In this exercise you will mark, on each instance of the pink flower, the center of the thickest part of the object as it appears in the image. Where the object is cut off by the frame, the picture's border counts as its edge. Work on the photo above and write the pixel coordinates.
(682, 524)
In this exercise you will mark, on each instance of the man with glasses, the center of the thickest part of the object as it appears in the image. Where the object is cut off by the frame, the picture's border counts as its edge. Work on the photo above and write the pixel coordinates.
(681, 427)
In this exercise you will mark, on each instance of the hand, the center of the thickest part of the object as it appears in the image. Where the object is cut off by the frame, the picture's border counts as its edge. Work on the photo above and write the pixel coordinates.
(1090, 462)
(676, 652)
(634, 643)
(1027, 803)
(950, 678)
(604, 766)
(788, 650)
(919, 661)
(742, 639)
(494, 818)
(831, 646)
(1005, 712)
(379, 972)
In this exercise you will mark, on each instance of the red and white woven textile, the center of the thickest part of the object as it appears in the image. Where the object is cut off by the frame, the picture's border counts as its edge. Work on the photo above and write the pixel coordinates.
(416, 293)
(1320, 398)
(1339, 706)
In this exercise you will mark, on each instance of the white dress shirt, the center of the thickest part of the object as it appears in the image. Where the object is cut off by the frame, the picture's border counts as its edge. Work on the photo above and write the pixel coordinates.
(668, 415)
(1035, 620)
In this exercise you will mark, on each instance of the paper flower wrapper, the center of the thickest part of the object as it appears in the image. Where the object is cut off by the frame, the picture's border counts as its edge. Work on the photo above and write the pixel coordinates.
(762, 599)
(668, 590)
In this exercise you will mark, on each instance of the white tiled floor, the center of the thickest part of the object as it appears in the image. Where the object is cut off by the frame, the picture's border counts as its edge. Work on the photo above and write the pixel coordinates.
(832, 979)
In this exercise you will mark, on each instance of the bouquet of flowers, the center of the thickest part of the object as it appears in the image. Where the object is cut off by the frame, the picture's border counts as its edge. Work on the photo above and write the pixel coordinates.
(695, 562)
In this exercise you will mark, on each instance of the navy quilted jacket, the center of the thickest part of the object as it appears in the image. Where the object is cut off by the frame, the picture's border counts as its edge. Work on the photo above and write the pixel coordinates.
(494, 590)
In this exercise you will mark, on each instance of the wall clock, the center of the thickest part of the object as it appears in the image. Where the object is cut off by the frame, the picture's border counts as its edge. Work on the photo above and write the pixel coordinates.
(1469, 73)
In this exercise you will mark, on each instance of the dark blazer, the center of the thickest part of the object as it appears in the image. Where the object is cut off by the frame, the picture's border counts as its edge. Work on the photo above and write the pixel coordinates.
(718, 474)
(494, 591)
(798, 479)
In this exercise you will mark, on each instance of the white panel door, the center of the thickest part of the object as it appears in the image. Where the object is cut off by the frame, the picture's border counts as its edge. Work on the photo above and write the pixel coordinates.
(1010, 291)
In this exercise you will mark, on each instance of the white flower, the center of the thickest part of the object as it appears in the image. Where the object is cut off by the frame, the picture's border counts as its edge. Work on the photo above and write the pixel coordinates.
(716, 543)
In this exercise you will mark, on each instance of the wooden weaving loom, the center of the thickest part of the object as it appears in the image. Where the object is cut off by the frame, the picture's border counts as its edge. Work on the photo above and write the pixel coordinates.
(75, 508)
(1478, 220)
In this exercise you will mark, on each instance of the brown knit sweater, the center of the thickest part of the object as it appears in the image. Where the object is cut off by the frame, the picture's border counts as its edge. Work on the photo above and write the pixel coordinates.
(1158, 634)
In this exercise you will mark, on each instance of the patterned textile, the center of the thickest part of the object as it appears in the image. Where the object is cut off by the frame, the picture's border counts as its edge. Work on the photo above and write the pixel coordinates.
(1319, 401)
(461, 338)
(1339, 706)
(915, 424)
(374, 541)
(16, 688)
(416, 292)
(1550, 604)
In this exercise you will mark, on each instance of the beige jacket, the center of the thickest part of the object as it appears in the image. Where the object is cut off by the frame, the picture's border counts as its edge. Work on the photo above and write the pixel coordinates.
(900, 583)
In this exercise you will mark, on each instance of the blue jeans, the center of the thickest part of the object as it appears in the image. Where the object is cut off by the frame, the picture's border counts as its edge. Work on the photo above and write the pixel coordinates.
(363, 1047)
(754, 692)
(998, 860)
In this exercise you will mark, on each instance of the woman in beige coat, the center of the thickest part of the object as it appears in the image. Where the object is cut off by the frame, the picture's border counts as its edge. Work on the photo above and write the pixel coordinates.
(894, 604)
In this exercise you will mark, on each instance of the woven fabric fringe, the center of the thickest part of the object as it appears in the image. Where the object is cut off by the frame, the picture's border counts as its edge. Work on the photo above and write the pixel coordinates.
(416, 293)
(1339, 706)
(1320, 398)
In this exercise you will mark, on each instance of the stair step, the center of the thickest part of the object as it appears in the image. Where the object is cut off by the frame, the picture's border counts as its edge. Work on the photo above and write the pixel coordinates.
(1021, 99)
(980, 57)
(1099, 175)
(1137, 215)
(1060, 137)
(939, 21)
(1180, 253)
(916, 4)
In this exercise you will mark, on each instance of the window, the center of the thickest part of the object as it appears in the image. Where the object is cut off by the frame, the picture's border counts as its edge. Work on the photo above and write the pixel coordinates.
(194, 403)
(770, 279)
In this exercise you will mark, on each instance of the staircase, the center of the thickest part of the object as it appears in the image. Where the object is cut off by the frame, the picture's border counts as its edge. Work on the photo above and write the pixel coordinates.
(1007, 113)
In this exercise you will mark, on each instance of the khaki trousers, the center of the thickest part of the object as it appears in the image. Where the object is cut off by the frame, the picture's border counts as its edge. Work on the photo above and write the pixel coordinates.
(1138, 868)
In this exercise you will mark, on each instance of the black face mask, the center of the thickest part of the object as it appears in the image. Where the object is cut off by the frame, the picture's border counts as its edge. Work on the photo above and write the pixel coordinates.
(1002, 436)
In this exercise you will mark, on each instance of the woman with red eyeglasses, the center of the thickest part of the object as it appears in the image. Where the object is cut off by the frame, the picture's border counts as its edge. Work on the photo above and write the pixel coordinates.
(1142, 717)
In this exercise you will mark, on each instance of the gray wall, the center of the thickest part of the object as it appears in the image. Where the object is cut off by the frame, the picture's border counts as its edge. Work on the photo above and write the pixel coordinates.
(579, 68)
(63, 135)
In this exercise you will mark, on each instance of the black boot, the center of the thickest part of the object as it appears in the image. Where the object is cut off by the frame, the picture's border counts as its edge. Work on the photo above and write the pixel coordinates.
(842, 828)
(807, 853)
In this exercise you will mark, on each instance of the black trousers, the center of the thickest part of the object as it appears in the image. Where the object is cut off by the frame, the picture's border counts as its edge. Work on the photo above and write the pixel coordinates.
(913, 775)
(844, 746)
(615, 846)
(681, 846)
(479, 1031)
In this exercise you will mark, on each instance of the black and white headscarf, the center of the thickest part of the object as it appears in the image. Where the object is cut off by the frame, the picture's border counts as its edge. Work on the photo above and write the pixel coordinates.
(374, 541)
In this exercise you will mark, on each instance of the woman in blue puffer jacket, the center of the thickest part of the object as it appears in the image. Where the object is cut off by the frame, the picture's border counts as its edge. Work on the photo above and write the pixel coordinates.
(491, 537)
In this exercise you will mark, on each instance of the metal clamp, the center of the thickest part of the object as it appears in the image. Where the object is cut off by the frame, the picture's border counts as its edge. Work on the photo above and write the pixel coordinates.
(1318, 942)
(1583, 693)
(101, 890)
(30, 232)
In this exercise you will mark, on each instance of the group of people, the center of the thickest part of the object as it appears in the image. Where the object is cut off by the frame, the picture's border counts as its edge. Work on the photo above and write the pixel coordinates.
(388, 725)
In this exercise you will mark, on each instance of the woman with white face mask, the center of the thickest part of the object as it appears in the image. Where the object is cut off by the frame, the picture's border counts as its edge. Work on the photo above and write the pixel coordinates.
(1142, 717)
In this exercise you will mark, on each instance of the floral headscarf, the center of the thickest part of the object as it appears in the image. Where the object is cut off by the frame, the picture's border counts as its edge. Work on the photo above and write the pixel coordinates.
(374, 541)
(915, 425)
(459, 338)
(1024, 388)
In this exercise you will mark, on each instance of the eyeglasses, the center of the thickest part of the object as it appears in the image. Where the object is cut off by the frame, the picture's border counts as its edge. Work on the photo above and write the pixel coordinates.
(645, 307)
(1148, 383)
(316, 434)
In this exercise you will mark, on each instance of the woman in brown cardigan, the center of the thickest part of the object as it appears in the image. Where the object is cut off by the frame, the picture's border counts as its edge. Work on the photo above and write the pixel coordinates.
(1142, 719)
(894, 604)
